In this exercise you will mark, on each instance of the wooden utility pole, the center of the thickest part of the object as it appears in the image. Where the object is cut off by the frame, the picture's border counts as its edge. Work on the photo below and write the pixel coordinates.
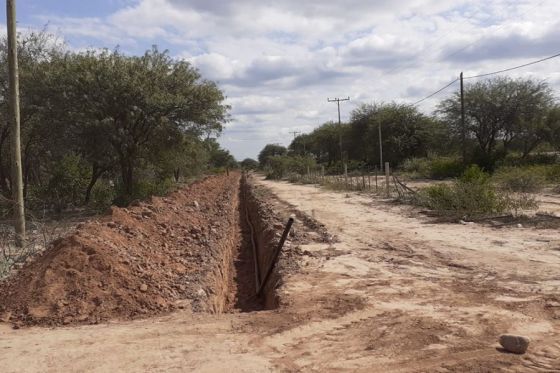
(463, 129)
(295, 133)
(14, 118)
(337, 100)
(380, 149)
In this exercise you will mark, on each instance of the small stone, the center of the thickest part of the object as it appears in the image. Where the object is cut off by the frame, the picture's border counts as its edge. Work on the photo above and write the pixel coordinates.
(514, 343)
(519, 225)
(143, 288)
(67, 320)
(196, 205)
(111, 224)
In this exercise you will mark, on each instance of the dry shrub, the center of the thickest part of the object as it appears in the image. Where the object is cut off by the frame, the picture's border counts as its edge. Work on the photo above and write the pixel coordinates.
(472, 195)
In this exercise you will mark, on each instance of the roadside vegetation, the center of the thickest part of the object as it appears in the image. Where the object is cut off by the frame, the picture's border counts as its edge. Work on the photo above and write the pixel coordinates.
(101, 127)
(472, 195)
(510, 151)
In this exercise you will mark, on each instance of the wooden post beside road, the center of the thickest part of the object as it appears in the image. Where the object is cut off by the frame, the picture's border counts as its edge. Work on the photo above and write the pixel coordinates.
(14, 120)
(387, 181)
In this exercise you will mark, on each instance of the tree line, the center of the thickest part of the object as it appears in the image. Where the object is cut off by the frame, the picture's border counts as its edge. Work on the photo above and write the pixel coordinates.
(103, 122)
(504, 117)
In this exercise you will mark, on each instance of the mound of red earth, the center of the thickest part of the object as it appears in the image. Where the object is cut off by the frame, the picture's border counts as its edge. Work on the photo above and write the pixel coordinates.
(154, 257)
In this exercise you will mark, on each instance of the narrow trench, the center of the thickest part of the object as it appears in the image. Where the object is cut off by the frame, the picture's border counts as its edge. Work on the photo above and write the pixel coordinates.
(243, 289)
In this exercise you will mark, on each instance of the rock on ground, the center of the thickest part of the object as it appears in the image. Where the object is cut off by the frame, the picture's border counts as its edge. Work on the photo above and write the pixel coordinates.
(514, 343)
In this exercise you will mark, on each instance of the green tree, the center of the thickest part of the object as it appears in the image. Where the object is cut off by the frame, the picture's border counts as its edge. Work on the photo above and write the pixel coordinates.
(271, 150)
(405, 133)
(134, 102)
(500, 113)
(249, 164)
(552, 122)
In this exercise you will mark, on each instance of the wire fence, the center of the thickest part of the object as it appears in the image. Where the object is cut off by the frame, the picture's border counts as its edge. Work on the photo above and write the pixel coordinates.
(370, 182)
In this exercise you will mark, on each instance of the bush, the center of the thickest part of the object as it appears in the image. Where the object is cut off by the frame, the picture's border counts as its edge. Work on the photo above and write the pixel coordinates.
(433, 167)
(144, 189)
(516, 160)
(524, 180)
(445, 167)
(552, 173)
(102, 195)
(67, 181)
(281, 165)
(416, 167)
(473, 194)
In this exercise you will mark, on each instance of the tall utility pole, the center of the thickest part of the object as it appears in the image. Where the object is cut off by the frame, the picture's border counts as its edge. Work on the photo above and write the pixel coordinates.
(13, 82)
(380, 149)
(463, 129)
(295, 133)
(337, 100)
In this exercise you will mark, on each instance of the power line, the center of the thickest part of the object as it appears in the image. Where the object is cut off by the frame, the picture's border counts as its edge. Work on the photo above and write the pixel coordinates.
(514, 68)
(487, 74)
(435, 93)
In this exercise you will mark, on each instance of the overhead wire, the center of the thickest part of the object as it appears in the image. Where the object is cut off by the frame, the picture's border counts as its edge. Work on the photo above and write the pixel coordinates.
(436, 92)
(513, 68)
(487, 74)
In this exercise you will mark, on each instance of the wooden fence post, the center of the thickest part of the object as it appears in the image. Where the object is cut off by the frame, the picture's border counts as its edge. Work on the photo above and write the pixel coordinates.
(387, 181)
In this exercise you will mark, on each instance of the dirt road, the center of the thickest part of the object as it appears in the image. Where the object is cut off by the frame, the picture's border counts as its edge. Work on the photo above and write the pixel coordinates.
(393, 292)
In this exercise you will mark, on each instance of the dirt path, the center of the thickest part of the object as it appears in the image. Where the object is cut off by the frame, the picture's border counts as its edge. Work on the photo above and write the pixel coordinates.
(395, 292)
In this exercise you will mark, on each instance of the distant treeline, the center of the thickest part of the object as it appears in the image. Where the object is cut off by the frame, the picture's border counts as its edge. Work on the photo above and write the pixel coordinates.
(504, 118)
(102, 126)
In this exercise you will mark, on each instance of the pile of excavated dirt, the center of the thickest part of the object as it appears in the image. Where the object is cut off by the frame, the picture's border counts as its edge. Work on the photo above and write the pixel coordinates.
(152, 258)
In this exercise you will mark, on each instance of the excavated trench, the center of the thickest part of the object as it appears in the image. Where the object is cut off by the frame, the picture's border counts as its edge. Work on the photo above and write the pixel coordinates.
(198, 248)
(256, 238)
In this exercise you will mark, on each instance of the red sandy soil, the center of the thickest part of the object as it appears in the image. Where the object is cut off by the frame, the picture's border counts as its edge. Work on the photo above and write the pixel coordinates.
(143, 260)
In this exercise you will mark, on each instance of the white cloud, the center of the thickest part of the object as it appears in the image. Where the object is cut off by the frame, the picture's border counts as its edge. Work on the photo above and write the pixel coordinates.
(278, 61)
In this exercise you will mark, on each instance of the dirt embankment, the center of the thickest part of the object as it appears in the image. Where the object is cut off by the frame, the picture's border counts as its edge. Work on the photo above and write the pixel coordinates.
(168, 253)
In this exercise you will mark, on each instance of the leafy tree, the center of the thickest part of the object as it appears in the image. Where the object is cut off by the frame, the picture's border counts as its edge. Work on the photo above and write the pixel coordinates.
(269, 151)
(405, 133)
(324, 142)
(280, 165)
(249, 164)
(501, 111)
(105, 115)
(552, 122)
(219, 158)
(134, 102)
(35, 51)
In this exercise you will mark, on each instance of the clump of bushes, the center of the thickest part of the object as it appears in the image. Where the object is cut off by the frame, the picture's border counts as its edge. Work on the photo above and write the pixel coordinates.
(433, 167)
(517, 179)
(473, 194)
(516, 160)
(527, 179)
(280, 166)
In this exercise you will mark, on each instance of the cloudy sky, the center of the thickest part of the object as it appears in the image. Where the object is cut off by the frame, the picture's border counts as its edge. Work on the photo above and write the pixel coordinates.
(279, 61)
